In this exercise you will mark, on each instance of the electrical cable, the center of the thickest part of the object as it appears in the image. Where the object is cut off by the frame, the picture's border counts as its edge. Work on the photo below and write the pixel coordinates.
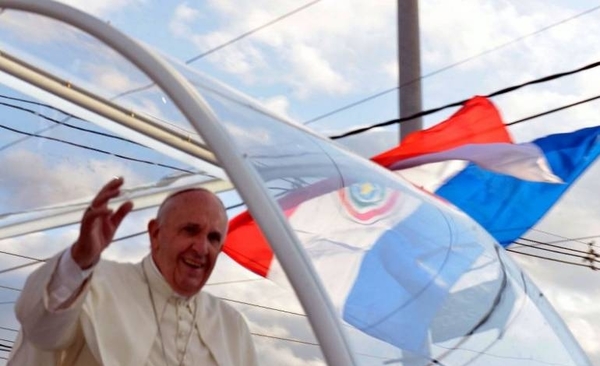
(450, 66)
(19, 267)
(262, 306)
(10, 288)
(235, 281)
(252, 31)
(496, 93)
(554, 110)
(556, 251)
(285, 339)
(62, 123)
(120, 156)
(566, 239)
(21, 256)
(551, 245)
(549, 259)
(40, 104)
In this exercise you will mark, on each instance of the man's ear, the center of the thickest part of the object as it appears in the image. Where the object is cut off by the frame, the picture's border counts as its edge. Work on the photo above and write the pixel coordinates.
(153, 229)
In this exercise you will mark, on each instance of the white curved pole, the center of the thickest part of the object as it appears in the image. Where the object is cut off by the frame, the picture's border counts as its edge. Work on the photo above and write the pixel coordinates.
(265, 211)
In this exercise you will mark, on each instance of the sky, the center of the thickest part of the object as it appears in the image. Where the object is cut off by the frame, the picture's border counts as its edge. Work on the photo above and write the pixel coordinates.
(332, 54)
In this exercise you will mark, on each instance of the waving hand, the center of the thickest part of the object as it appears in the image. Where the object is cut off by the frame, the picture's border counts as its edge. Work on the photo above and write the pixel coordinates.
(98, 225)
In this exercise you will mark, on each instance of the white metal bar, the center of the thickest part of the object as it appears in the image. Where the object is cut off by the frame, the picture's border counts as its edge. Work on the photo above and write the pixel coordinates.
(105, 108)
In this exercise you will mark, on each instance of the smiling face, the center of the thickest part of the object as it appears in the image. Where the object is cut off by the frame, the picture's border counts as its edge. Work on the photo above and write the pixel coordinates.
(186, 237)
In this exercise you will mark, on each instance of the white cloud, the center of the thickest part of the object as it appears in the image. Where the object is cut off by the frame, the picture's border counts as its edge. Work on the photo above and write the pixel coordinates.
(278, 104)
(276, 354)
(241, 62)
(587, 333)
(183, 16)
(33, 181)
(110, 79)
(311, 71)
(323, 58)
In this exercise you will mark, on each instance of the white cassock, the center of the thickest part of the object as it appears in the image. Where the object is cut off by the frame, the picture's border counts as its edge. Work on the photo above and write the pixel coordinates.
(112, 322)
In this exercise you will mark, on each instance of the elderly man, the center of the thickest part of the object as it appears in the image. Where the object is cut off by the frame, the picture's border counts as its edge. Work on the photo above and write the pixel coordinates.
(80, 310)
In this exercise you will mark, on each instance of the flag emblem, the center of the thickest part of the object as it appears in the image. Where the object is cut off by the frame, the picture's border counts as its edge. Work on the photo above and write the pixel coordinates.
(367, 202)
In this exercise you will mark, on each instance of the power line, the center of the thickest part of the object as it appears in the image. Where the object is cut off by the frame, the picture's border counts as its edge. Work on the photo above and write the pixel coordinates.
(21, 256)
(493, 94)
(554, 110)
(262, 307)
(130, 236)
(551, 245)
(549, 259)
(576, 239)
(285, 339)
(493, 49)
(120, 156)
(518, 39)
(235, 281)
(28, 101)
(62, 123)
(555, 251)
(19, 267)
(11, 288)
(566, 239)
(252, 31)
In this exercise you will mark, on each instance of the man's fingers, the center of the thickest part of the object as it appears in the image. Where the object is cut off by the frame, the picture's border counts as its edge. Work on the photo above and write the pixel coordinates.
(122, 211)
(92, 213)
(110, 190)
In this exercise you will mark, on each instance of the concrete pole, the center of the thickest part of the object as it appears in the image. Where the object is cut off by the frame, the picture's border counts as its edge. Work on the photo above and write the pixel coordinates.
(409, 64)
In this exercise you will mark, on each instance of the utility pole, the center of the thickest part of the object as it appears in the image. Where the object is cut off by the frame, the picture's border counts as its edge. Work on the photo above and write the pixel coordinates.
(409, 64)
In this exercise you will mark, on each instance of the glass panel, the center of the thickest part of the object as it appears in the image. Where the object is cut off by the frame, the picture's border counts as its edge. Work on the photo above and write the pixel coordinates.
(55, 158)
(413, 280)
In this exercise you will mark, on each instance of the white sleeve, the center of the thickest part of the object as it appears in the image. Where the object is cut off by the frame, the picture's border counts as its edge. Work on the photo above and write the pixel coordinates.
(66, 281)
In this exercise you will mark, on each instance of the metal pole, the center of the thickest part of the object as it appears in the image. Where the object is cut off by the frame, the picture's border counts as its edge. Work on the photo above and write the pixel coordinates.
(409, 65)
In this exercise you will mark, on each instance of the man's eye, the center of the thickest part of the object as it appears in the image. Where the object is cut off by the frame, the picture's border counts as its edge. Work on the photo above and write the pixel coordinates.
(214, 238)
(190, 230)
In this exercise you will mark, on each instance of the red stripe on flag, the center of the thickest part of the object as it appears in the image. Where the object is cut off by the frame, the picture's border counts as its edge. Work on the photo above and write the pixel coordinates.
(246, 244)
(477, 122)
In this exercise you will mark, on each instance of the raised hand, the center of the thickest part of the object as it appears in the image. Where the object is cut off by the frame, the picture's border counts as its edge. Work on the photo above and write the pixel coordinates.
(98, 225)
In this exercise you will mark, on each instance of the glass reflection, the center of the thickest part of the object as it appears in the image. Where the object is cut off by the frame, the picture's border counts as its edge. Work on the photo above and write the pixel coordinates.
(414, 281)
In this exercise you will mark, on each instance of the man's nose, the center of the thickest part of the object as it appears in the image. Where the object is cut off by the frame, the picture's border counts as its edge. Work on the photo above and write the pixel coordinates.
(201, 245)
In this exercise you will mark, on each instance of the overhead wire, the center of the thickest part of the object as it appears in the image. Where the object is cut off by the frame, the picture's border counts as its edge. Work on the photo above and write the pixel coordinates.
(549, 259)
(312, 3)
(252, 31)
(284, 339)
(119, 156)
(450, 66)
(566, 239)
(11, 269)
(490, 95)
(455, 104)
(367, 128)
(221, 46)
(554, 251)
(376, 95)
(68, 125)
(551, 245)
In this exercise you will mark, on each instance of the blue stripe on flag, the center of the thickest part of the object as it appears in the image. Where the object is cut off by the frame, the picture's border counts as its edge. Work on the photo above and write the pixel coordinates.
(507, 207)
